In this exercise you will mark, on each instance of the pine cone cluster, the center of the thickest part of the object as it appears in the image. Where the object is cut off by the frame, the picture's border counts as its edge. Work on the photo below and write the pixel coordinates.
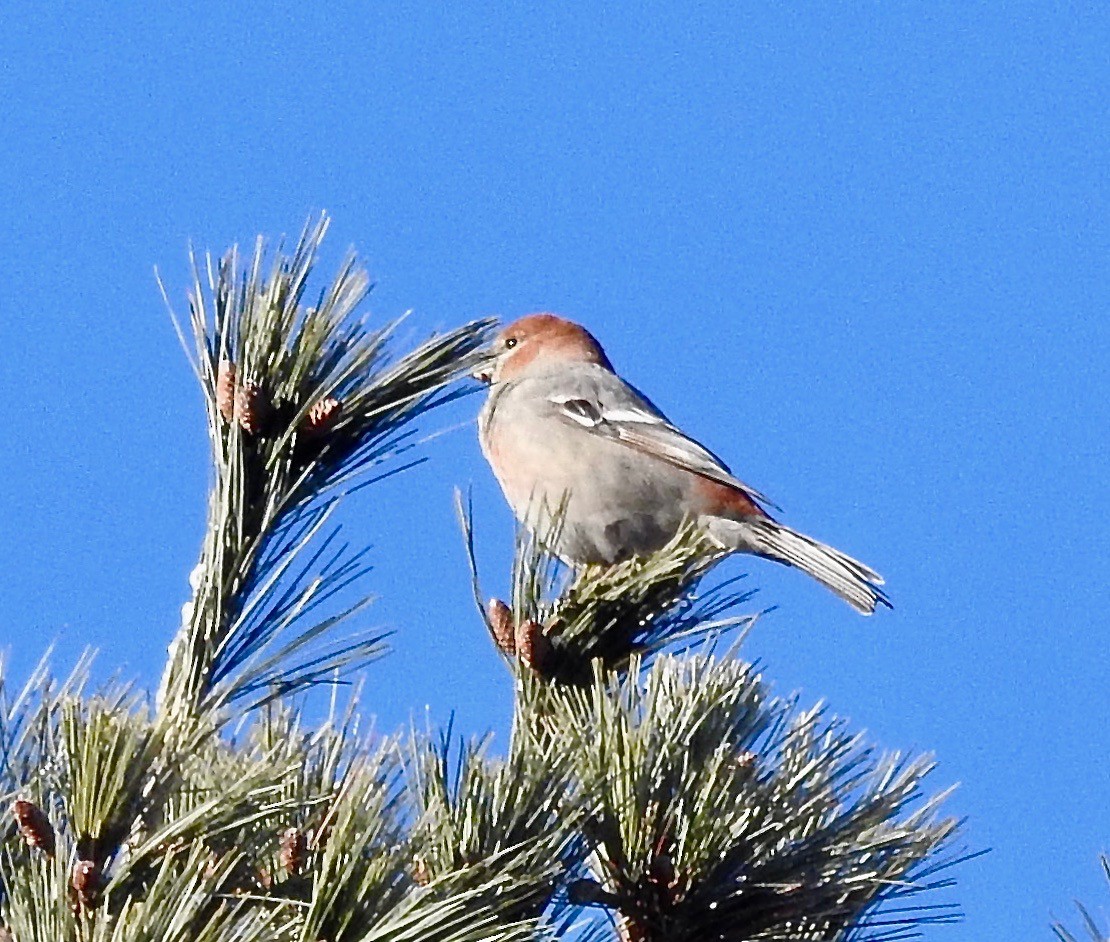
(527, 641)
(250, 406)
(247, 404)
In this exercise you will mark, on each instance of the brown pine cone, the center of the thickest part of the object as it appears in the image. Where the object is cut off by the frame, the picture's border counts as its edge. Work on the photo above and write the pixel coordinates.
(534, 648)
(294, 847)
(85, 882)
(225, 390)
(34, 826)
(501, 626)
(252, 407)
(322, 416)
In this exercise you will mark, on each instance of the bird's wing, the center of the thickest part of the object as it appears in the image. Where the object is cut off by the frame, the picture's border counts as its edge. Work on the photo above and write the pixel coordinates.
(638, 424)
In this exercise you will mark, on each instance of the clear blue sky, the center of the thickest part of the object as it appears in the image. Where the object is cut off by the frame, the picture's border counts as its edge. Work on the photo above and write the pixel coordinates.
(861, 250)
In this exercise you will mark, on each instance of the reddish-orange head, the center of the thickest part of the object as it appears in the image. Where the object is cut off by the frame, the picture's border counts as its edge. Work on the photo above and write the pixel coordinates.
(537, 342)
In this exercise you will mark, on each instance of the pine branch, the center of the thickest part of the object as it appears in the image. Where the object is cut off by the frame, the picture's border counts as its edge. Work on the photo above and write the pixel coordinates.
(723, 814)
(359, 872)
(482, 818)
(182, 903)
(35, 905)
(560, 622)
(233, 802)
(113, 753)
(302, 402)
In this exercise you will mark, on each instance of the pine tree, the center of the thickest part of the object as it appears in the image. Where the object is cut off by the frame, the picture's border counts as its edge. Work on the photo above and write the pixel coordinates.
(655, 789)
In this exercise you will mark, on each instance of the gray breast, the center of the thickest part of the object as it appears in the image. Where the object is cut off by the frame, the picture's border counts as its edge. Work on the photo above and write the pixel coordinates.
(615, 501)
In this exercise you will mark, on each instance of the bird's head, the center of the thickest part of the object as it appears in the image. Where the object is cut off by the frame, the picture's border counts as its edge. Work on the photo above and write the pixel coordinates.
(538, 343)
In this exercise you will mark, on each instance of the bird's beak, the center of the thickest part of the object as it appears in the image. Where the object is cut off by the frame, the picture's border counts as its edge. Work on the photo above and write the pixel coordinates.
(483, 370)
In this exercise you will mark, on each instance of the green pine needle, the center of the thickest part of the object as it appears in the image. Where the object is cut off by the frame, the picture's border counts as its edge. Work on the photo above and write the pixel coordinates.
(111, 752)
(480, 818)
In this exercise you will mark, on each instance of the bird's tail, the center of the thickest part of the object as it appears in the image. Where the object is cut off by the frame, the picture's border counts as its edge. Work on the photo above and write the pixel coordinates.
(854, 582)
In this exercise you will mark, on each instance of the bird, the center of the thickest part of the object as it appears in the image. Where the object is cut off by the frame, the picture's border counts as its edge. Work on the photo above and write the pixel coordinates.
(588, 462)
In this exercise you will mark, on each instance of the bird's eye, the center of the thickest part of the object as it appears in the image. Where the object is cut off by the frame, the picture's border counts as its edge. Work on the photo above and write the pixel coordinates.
(510, 343)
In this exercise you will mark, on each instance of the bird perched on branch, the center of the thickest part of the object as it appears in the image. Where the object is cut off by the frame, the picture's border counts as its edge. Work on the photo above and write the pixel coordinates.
(567, 438)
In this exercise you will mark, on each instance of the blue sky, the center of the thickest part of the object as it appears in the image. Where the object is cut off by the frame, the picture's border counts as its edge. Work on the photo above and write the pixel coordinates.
(860, 250)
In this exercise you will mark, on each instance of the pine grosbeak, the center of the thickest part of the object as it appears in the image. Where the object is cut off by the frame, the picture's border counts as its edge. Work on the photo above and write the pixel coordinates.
(566, 435)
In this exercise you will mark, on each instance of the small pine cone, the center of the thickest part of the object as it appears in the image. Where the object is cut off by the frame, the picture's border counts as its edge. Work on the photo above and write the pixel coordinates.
(6, 934)
(322, 416)
(294, 847)
(501, 626)
(252, 407)
(225, 390)
(85, 882)
(34, 826)
(534, 648)
(420, 872)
